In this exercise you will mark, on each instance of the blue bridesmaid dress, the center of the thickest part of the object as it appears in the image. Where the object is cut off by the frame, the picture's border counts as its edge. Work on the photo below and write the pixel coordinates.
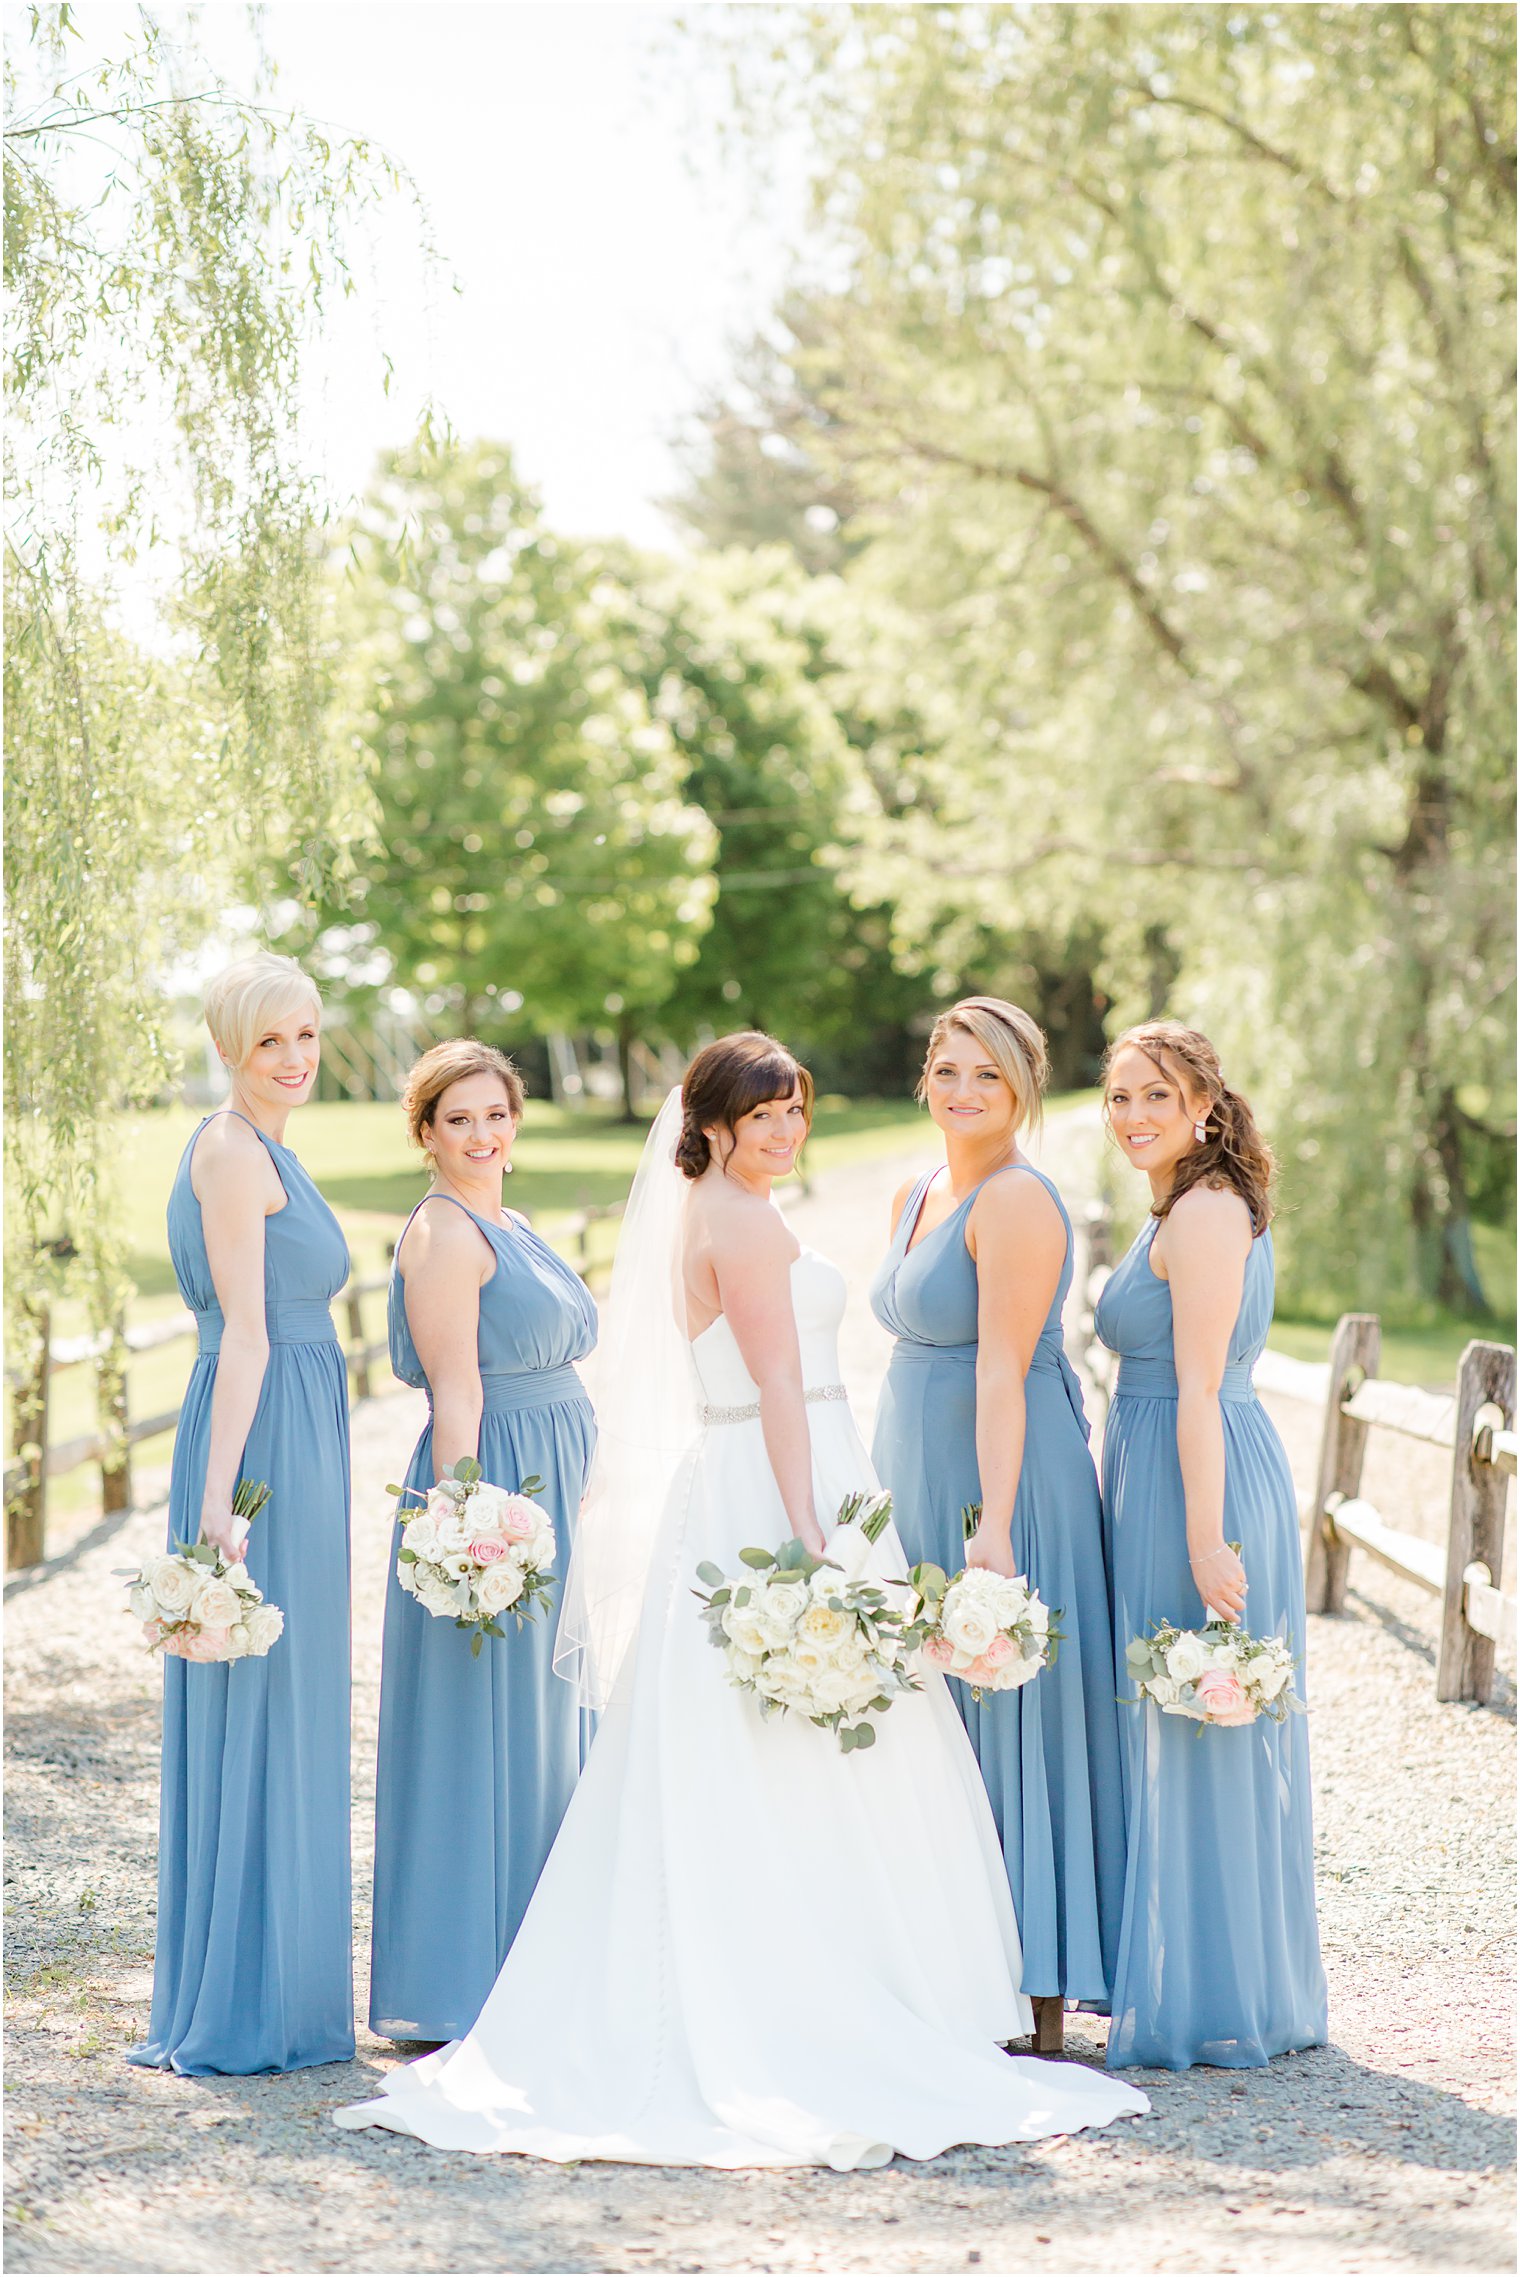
(1219, 1949)
(479, 1756)
(253, 1968)
(1049, 1752)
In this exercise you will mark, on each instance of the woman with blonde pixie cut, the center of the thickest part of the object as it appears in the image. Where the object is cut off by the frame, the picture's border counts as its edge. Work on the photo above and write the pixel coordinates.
(981, 1407)
(479, 1756)
(253, 1965)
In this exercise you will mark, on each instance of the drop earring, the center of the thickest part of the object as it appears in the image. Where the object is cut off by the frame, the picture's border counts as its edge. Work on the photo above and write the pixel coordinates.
(1200, 1132)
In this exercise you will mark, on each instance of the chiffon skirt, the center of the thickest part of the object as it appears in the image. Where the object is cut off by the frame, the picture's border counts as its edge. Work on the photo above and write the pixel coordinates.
(1049, 1752)
(253, 1968)
(747, 1948)
(1219, 1947)
(479, 1755)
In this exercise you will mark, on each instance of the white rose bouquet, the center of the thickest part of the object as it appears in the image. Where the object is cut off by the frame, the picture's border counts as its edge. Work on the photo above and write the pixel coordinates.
(1219, 1674)
(991, 1630)
(475, 1551)
(193, 1604)
(812, 1634)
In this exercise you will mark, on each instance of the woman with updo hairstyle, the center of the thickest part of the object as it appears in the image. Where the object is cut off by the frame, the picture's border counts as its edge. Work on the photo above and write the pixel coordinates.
(479, 1754)
(252, 1967)
(982, 1410)
(1219, 1957)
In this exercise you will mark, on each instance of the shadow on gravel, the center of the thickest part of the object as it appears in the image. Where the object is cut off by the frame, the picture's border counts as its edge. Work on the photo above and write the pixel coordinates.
(100, 1533)
(1501, 1701)
(1305, 2111)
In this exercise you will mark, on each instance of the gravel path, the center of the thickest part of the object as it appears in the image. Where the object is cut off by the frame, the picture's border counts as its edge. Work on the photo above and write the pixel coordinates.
(1391, 2149)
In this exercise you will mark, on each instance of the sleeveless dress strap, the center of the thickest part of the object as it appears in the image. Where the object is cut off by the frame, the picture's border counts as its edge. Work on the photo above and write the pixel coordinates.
(479, 1223)
(218, 1112)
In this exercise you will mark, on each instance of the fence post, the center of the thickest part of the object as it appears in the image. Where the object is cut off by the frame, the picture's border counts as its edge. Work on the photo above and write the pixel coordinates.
(1465, 1668)
(111, 1407)
(26, 1504)
(1353, 1355)
(359, 1357)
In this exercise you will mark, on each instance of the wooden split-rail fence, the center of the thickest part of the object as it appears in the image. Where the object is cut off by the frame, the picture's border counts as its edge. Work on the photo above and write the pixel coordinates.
(1475, 1422)
(37, 1459)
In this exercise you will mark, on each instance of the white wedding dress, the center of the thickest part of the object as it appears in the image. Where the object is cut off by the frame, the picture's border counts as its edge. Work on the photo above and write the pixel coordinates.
(747, 1948)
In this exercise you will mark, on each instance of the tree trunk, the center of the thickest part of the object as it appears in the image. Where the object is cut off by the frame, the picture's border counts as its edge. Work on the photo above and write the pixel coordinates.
(626, 1038)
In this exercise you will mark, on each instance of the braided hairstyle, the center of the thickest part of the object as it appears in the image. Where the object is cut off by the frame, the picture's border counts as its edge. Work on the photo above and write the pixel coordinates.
(1232, 1151)
(728, 1079)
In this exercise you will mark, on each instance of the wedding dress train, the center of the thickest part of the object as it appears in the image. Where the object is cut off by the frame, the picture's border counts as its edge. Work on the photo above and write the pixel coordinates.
(747, 1948)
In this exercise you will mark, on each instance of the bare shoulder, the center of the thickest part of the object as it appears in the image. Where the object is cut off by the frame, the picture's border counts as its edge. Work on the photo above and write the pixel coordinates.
(1019, 1205)
(230, 1161)
(1207, 1219)
(900, 1199)
(443, 1238)
(735, 1227)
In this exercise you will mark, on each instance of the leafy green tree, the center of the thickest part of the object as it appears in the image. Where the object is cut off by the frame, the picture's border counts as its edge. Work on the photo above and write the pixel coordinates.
(1174, 375)
(537, 840)
(168, 248)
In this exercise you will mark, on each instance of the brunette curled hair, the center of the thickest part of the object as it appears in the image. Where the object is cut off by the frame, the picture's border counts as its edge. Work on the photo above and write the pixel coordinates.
(727, 1080)
(1232, 1151)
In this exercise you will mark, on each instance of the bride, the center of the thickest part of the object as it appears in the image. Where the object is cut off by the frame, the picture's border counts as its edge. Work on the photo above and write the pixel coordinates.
(747, 1948)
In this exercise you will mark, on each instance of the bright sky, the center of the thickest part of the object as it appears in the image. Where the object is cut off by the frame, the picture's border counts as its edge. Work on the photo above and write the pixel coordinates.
(603, 282)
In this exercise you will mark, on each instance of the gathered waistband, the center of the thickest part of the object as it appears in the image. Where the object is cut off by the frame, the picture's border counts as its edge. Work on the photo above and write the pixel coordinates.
(1049, 1360)
(1157, 1379)
(506, 1391)
(300, 1320)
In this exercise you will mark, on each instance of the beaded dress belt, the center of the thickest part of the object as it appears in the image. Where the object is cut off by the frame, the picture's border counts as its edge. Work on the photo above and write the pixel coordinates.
(750, 1413)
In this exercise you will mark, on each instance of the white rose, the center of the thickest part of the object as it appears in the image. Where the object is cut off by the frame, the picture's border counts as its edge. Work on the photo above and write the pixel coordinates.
(744, 1667)
(1187, 1659)
(1227, 1657)
(1164, 1690)
(743, 1627)
(433, 1589)
(498, 1587)
(809, 1660)
(834, 1688)
(216, 1606)
(140, 1600)
(1037, 1614)
(264, 1624)
(540, 1550)
(239, 1638)
(451, 1524)
(420, 1534)
(969, 1626)
(1269, 1676)
(486, 1506)
(172, 1584)
(822, 1626)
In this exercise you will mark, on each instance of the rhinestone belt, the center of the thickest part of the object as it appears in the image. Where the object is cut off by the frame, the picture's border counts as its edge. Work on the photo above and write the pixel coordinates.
(750, 1413)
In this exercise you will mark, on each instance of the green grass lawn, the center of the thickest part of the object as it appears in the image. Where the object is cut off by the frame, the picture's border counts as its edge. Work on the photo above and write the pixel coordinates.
(359, 1156)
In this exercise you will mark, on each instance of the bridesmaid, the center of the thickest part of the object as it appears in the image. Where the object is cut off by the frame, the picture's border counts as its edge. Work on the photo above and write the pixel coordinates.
(478, 1756)
(1218, 1950)
(981, 1404)
(253, 1969)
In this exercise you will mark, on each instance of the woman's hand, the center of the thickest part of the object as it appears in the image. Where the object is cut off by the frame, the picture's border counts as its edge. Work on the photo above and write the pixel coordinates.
(223, 1530)
(991, 1551)
(810, 1535)
(1220, 1580)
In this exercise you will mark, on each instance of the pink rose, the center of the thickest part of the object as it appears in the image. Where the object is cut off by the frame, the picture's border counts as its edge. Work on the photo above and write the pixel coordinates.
(979, 1671)
(486, 1549)
(199, 1644)
(152, 1632)
(1224, 1697)
(519, 1518)
(1001, 1650)
(939, 1652)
